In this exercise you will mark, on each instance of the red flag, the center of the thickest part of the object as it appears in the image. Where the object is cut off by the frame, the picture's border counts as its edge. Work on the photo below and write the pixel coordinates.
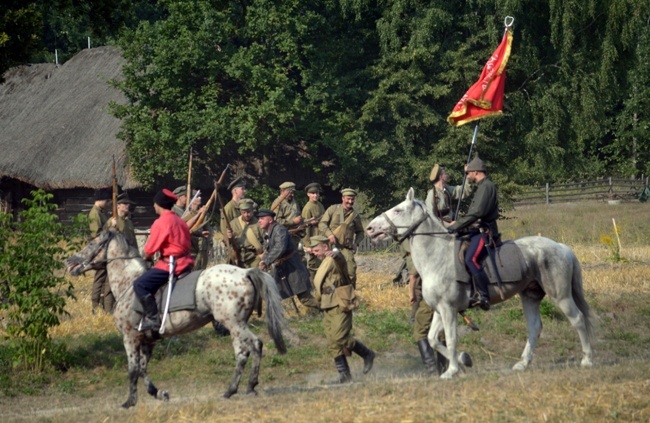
(485, 97)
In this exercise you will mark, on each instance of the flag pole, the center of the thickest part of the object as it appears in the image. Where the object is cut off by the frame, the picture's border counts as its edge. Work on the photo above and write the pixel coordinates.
(469, 158)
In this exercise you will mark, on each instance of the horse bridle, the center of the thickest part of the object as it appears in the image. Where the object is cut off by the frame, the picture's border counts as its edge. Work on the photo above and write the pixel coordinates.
(410, 231)
(103, 244)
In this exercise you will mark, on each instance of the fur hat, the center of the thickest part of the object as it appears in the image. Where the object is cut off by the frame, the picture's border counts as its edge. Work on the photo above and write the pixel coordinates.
(476, 165)
(165, 199)
(104, 193)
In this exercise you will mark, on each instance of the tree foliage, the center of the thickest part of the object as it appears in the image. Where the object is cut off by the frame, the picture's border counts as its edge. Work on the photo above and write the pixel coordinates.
(34, 289)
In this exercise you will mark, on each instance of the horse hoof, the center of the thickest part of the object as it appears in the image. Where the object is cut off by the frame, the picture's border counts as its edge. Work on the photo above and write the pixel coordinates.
(465, 359)
(251, 393)
(163, 395)
(228, 394)
(520, 367)
(586, 363)
(128, 404)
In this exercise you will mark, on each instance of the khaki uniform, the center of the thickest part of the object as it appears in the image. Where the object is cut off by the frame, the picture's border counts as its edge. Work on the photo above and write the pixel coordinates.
(336, 323)
(310, 211)
(440, 201)
(346, 240)
(249, 238)
(421, 313)
(230, 212)
(125, 226)
(100, 294)
(285, 212)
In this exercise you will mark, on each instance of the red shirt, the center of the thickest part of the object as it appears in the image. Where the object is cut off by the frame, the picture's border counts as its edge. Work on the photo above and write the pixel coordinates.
(171, 237)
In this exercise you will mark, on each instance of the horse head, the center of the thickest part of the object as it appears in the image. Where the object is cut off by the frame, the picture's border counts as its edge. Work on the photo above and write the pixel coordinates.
(91, 256)
(398, 222)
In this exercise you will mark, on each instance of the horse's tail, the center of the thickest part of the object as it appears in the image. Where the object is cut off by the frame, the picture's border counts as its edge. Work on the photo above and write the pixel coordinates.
(265, 284)
(579, 296)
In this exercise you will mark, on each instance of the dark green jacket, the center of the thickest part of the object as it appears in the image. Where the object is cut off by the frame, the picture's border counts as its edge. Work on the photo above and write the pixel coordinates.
(484, 206)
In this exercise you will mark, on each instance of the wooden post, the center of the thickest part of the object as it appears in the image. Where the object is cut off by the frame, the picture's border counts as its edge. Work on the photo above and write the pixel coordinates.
(618, 239)
(548, 200)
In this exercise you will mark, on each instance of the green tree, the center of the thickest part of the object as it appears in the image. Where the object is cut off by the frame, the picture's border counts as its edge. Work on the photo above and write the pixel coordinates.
(31, 263)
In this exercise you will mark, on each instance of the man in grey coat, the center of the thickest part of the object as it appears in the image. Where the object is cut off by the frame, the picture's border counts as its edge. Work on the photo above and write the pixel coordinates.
(283, 261)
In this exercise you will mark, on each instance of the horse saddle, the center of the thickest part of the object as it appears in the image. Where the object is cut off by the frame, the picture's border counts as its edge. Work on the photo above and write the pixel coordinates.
(183, 294)
(507, 257)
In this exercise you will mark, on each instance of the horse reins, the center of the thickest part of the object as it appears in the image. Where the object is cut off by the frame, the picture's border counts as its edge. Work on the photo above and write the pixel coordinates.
(410, 231)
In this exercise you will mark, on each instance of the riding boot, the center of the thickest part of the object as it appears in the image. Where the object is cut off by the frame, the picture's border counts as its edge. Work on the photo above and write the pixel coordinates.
(481, 283)
(426, 352)
(151, 318)
(343, 368)
(366, 353)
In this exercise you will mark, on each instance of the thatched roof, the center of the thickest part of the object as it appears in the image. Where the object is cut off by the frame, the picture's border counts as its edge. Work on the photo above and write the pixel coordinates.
(56, 129)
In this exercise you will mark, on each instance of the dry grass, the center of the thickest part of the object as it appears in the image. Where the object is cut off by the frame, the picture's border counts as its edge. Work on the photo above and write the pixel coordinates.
(300, 386)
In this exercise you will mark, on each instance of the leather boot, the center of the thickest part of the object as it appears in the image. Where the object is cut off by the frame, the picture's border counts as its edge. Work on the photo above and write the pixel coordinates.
(481, 283)
(366, 353)
(343, 368)
(426, 352)
(151, 318)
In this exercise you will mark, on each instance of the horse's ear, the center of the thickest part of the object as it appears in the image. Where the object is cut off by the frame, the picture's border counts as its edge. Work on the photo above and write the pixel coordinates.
(410, 196)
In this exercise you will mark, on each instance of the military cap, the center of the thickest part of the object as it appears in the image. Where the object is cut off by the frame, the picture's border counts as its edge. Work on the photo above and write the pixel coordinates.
(318, 239)
(265, 212)
(348, 192)
(104, 193)
(435, 172)
(313, 187)
(124, 199)
(180, 191)
(288, 185)
(237, 182)
(476, 165)
(246, 204)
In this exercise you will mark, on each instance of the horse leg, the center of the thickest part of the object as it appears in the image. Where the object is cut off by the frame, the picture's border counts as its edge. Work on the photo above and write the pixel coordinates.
(442, 359)
(449, 322)
(147, 350)
(241, 357)
(577, 320)
(534, 323)
(133, 357)
(255, 365)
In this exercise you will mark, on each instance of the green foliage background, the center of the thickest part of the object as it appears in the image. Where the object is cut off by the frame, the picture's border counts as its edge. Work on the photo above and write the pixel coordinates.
(359, 91)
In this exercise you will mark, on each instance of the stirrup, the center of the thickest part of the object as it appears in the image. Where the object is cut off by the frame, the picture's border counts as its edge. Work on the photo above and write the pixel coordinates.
(479, 301)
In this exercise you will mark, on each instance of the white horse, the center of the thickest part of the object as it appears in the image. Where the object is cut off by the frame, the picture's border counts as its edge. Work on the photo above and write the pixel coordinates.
(224, 293)
(551, 269)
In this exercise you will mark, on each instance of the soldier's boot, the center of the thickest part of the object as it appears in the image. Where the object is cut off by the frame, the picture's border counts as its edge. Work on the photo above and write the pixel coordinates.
(366, 353)
(482, 299)
(109, 303)
(343, 368)
(220, 329)
(426, 352)
(151, 318)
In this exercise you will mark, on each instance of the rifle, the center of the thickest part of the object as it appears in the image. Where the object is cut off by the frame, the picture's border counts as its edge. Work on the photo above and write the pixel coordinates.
(231, 240)
(282, 198)
(189, 184)
(200, 221)
(304, 224)
(114, 190)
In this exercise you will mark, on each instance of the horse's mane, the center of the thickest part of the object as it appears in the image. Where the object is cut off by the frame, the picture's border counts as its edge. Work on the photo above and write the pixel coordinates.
(436, 221)
(123, 245)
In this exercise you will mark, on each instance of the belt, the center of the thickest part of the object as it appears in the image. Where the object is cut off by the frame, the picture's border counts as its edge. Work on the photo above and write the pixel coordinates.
(285, 258)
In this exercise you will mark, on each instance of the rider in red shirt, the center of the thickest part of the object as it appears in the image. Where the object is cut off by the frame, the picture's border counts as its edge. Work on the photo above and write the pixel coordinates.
(170, 236)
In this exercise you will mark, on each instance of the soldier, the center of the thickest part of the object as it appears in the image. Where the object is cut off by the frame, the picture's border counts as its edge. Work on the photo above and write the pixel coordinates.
(97, 218)
(311, 214)
(123, 222)
(287, 212)
(169, 236)
(200, 236)
(231, 210)
(480, 224)
(249, 237)
(441, 197)
(341, 224)
(335, 293)
(281, 260)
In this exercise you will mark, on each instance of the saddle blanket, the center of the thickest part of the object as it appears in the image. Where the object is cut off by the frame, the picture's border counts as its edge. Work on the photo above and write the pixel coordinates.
(508, 258)
(183, 294)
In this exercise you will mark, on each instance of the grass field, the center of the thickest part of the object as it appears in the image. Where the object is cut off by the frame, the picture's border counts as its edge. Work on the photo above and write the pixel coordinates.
(300, 386)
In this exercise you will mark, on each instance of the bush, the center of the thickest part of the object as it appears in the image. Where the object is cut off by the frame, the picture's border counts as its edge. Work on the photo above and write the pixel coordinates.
(31, 269)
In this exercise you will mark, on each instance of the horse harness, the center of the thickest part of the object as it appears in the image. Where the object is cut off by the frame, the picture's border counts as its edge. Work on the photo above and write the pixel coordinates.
(410, 231)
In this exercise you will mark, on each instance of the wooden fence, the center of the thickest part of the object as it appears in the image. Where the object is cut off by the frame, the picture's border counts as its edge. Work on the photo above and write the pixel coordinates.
(603, 189)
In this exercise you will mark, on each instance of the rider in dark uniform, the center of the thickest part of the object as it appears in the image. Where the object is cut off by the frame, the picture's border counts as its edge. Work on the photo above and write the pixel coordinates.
(480, 223)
